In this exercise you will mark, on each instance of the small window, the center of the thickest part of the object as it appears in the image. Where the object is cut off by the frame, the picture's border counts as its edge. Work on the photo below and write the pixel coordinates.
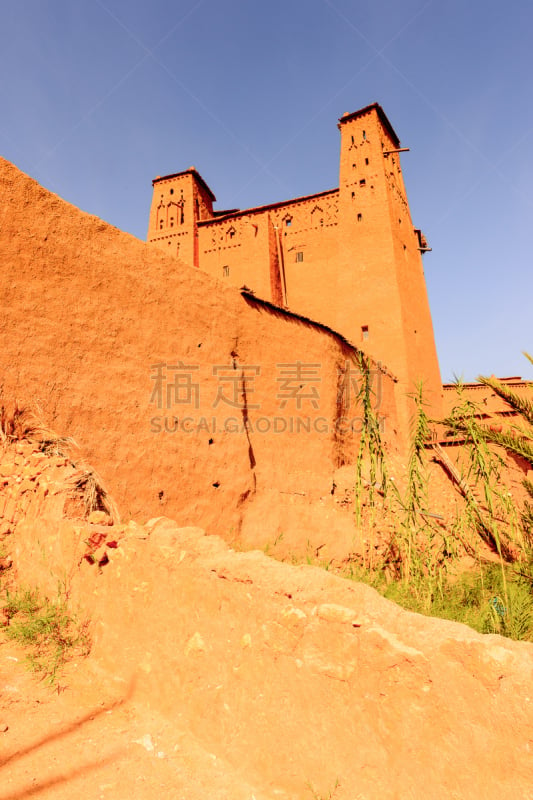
(288, 222)
(225, 272)
(353, 195)
(231, 232)
(366, 161)
(359, 218)
(362, 182)
(171, 222)
(364, 134)
(172, 191)
(364, 332)
(161, 225)
(299, 256)
(353, 166)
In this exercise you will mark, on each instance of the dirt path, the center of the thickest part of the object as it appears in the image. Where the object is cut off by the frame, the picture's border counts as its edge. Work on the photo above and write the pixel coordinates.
(85, 738)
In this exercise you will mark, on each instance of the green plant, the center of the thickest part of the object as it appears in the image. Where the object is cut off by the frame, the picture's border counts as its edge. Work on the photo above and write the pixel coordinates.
(414, 501)
(274, 544)
(418, 565)
(420, 546)
(473, 598)
(46, 628)
(370, 444)
(516, 439)
(494, 515)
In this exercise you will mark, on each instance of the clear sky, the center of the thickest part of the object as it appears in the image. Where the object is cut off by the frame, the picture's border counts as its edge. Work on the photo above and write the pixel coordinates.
(100, 96)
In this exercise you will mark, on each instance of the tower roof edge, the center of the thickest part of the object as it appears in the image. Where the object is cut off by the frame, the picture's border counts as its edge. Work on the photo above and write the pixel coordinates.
(191, 171)
(383, 117)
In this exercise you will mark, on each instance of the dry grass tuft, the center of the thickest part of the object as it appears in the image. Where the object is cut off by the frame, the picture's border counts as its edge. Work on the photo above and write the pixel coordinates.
(88, 485)
(23, 423)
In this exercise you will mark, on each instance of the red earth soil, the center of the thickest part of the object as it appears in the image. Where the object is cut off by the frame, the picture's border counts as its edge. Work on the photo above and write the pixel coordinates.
(224, 674)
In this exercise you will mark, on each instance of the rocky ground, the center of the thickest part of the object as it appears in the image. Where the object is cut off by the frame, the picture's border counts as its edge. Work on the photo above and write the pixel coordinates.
(225, 674)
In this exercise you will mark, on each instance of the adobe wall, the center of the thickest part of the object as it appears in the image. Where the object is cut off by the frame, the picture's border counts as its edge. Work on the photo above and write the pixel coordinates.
(239, 252)
(301, 252)
(490, 404)
(87, 314)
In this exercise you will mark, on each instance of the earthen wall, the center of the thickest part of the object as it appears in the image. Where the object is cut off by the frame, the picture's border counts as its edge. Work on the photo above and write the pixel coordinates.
(92, 319)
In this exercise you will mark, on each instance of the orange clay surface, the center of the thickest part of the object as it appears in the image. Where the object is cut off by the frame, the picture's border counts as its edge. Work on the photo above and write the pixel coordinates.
(88, 314)
(224, 674)
(215, 672)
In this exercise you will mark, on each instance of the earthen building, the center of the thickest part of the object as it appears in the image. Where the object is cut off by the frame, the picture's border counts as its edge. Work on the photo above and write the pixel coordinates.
(349, 257)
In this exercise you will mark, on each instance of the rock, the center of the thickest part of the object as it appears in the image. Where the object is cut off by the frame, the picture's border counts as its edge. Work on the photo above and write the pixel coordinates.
(7, 470)
(92, 528)
(10, 510)
(100, 556)
(99, 518)
(293, 617)
(195, 644)
(95, 539)
(331, 612)
(146, 742)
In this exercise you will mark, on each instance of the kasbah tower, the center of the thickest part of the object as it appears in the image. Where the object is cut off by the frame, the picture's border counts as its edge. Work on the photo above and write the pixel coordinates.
(349, 258)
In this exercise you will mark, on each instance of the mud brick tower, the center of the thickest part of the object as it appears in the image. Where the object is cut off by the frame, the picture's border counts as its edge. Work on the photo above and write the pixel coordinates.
(348, 257)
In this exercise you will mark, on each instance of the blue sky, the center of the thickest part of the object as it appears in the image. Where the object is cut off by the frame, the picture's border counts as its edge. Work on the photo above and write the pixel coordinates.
(100, 96)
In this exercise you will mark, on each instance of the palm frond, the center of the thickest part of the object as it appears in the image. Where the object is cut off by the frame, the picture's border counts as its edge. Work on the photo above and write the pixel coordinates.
(519, 445)
(528, 486)
(529, 358)
(523, 405)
